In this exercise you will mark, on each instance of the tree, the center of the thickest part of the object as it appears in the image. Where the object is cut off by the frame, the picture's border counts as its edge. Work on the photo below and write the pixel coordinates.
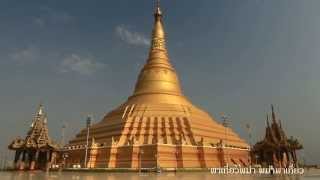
(294, 145)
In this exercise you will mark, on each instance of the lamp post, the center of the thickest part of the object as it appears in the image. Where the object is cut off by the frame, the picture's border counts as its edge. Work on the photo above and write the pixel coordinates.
(225, 123)
(140, 160)
(64, 156)
(177, 158)
(2, 161)
(63, 128)
(87, 144)
(157, 163)
(5, 160)
(249, 131)
(156, 156)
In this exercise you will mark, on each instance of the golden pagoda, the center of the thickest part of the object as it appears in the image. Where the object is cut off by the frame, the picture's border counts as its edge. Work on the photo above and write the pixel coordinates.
(157, 126)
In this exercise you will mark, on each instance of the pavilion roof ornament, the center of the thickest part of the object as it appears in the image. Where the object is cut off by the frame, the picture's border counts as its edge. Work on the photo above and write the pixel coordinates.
(275, 135)
(37, 136)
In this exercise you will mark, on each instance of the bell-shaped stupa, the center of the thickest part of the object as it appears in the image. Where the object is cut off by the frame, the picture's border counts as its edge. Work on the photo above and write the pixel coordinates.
(158, 126)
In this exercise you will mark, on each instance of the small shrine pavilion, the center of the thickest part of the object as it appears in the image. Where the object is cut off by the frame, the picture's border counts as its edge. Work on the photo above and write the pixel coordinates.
(36, 150)
(276, 149)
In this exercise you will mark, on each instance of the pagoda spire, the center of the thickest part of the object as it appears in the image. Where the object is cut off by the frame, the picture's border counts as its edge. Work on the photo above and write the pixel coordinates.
(158, 41)
(268, 125)
(158, 76)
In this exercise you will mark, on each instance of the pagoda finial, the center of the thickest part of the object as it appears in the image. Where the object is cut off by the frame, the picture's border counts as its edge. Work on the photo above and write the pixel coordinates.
(268, 125)
(40, 109)
(158, 10)
(280, 124)
(158, 35)
(273, 114)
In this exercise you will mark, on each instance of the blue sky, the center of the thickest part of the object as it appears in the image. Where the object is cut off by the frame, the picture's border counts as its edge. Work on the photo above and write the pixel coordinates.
(83, 57)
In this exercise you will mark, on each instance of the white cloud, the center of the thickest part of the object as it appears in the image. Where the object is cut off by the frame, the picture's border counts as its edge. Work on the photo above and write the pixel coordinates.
(25, 55)
(39, 21)
(61, 17)
(51, 16)
(133, 38)
(81, 65)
